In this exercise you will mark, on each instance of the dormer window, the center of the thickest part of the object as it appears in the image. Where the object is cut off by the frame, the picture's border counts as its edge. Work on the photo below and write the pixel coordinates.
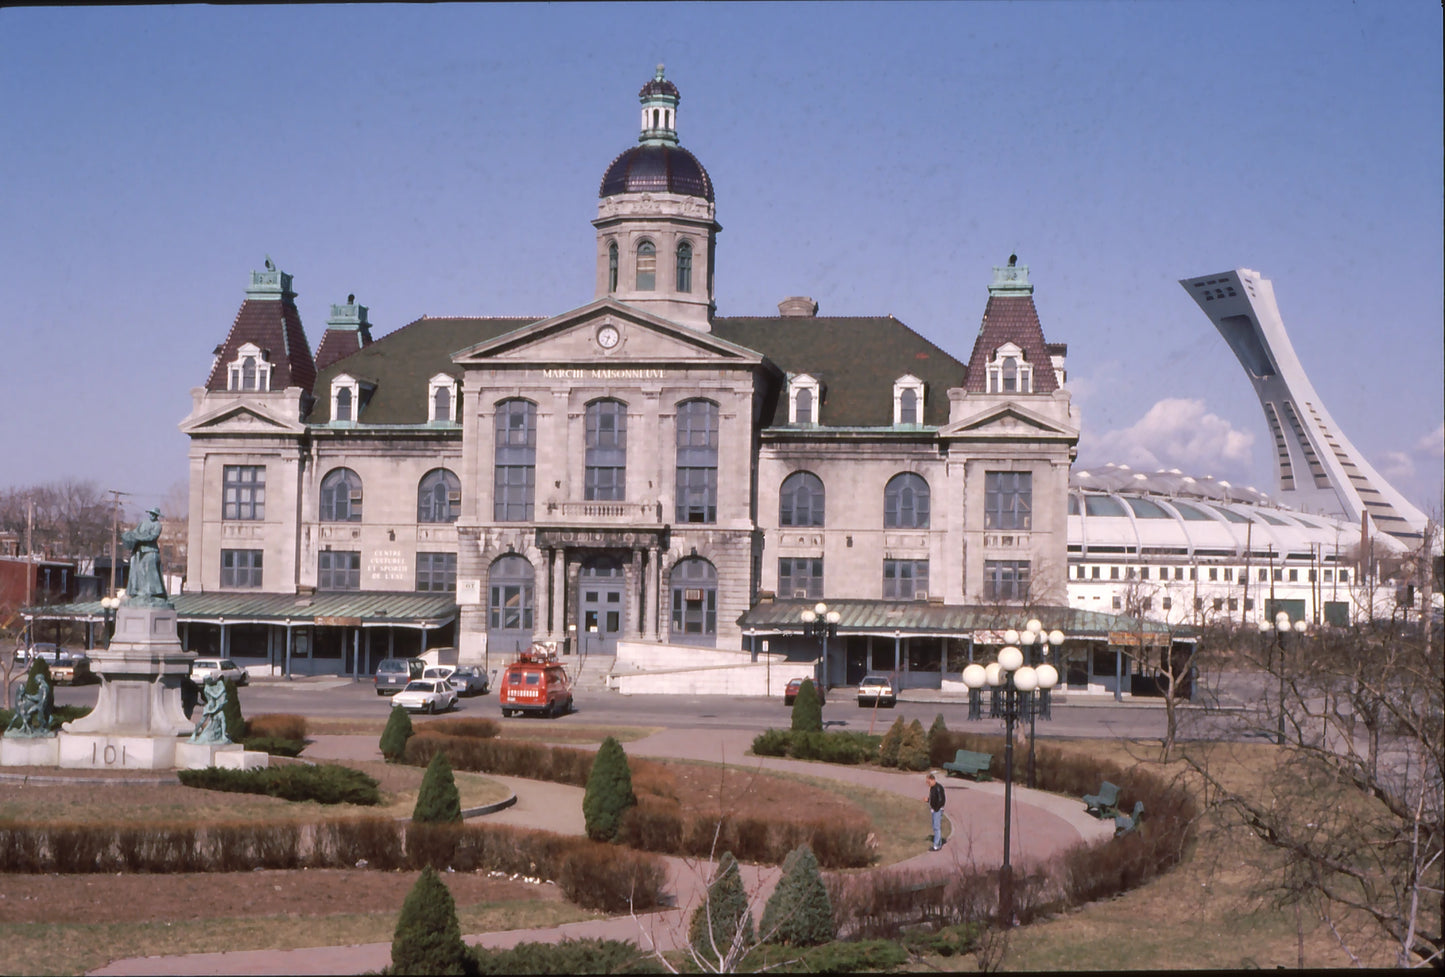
(345, 399)
(908, 400)
(1009, 372)
(803, 399)
(442, 399)
(249, 371)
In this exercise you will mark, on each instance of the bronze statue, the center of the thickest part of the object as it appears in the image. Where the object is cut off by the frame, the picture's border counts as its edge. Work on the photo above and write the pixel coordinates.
(211, 727)
(145, 586)
(32, 713)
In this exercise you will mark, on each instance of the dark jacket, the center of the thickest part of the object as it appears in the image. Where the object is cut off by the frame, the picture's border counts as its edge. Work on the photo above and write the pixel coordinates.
(935, 797)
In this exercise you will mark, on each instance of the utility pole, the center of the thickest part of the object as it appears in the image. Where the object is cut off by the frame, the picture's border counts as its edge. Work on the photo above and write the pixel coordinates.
(29, 567)
(114, 534)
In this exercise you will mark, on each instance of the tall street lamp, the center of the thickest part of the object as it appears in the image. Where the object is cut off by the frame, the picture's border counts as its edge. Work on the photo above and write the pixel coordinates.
(1034, 634)
(1276, 630)
(109, 605)
(821, 623)
(1016, 682)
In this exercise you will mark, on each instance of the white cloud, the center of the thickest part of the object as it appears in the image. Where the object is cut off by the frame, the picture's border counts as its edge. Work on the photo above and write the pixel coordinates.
(1176, 433)
(1396, 464)
(1432, 445)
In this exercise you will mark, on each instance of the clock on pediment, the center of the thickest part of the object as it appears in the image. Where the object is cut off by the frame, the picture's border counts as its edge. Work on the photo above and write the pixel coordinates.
(608, 337)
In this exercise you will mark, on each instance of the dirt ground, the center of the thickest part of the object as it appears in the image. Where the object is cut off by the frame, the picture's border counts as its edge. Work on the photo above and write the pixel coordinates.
(99, 899)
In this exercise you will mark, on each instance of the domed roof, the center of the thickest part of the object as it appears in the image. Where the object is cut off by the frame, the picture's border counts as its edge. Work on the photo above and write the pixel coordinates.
(658, 86)
(656, 169)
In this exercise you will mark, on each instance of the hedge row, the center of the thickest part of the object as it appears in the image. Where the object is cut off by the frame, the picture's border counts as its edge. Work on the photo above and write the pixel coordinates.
(833, 746)
(473, 727)
(594, 876)
(655, 825)
(508, 758)
(326, 783)
(884, 904)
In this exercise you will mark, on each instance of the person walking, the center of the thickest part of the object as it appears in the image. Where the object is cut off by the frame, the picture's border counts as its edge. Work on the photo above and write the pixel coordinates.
(935, 806)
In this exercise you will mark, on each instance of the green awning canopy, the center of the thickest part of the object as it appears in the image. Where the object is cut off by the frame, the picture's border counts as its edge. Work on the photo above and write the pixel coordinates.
(341, 609)
(979, 622)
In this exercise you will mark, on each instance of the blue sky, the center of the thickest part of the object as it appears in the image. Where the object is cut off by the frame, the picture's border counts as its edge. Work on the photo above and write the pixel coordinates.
(444, 160)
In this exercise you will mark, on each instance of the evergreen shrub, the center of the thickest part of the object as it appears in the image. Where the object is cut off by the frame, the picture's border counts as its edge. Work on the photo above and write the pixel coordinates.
(799, 912)
(394, 737)
(609, 792)
(428, 939)
(807, 709)
(913, 748)
(723, 920)
(438, 801)
(567, 957)
(888, 749)
(235, 722)
(325, 783)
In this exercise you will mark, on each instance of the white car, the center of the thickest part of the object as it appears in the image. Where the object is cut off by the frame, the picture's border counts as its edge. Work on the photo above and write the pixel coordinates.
(204, 668)
(878, 690)
(426, 695)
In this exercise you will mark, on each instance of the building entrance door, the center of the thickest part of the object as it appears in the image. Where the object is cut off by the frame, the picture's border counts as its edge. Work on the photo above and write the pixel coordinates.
(601, 605)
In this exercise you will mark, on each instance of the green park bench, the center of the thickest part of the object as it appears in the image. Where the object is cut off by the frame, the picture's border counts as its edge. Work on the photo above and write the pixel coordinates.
(1104, 804)
(1125, 823)
(967, 763)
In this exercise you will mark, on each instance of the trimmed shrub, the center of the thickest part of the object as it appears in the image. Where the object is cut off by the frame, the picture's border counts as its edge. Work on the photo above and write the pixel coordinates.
(475, 727)
(428, 939)
(567, 957)
(438, 801)
(396, 734)
(771, 742)
(274, 745)
(913, 748)
(235, 722)
(325, 783)
(511, 758)
(799, 913)
(611, 880)
(888, 749)
(807, 710)
(939, 728)
(275, 725)
(609, 792)
(722, 922)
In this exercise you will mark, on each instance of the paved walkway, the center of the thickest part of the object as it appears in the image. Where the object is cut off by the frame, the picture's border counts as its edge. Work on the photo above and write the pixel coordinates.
(1044, 824)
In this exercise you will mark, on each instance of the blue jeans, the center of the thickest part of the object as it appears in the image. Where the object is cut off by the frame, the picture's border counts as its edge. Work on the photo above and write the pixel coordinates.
(937, 828)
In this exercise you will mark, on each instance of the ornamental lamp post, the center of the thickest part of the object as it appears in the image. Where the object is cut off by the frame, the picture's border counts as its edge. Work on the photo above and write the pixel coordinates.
(1276, 630)
(1017, 683)
(1034, 634)
(821, 623)
(109, 605)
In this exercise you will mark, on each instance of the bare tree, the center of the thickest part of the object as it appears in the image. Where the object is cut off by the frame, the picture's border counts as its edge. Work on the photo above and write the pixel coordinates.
(72, 518)
(1354, 801)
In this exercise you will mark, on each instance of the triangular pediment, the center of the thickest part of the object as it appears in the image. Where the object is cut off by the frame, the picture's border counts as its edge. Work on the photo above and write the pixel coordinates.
(244, 417)
(1008, 419)
(602, 334)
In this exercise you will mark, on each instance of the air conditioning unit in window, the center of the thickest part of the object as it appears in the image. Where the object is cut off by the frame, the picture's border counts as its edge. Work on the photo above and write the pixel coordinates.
(920, 595)
(356, 498)
(800, 593)
(454, 498)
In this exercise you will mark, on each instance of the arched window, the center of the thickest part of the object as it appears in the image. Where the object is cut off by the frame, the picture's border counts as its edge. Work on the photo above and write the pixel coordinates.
(1009, 371)
(646, 266)
(694, 602)
(515, 461)
(438, 497)
(684, 267)
(441, 404)
(343, 404)
(800, 501)
(1010, 374)
(248, 373)
(697, 440)
(510, 589)
(612, 267)
(905, 502)
(606, 462)
(341, 496)
(907, 406)
(804, 406)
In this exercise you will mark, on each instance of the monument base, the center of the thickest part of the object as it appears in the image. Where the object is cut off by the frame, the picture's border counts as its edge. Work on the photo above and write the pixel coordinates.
(226, 756)
(141, 674)
(114, 751)
(29, 751)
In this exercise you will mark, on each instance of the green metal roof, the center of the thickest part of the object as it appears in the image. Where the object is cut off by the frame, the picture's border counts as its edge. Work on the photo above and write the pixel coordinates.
(345, 609)
(962, 620)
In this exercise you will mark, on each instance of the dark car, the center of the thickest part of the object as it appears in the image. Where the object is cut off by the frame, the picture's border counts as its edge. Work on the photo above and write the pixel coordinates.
(791, 692)
(392, 674)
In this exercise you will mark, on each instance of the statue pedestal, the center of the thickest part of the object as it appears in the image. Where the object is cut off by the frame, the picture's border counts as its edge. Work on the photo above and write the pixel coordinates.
(102, 751)
(29, 751)
(141, 674)
(227, 756)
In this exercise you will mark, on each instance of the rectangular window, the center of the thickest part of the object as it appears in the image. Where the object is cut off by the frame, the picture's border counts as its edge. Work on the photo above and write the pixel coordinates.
(1219, 604)
(338, 570)
(1293, 576)
(1167, 603)
(800, 576)
(1229, 573)
(1118, 602)
(697, 462)
(1329, 575)
(241, 569)
(1008, 500)
(1006, 579)
(1234, 603)
(436, 572)
(1344, 576)
(1213, 573)
(1178, 573)
(1193, 573)
(1095, 574)
(1143, 573)
(1248, 604)
(906, 579)
(1263, 575)
(605, 478)
(243, 492)
(1113, 573)
(1199, 604)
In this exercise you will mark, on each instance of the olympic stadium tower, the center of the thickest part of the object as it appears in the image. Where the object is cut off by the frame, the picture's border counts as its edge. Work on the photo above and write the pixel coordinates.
(1319, 469)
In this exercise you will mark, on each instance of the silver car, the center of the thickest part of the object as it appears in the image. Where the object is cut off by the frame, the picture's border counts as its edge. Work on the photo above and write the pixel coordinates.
(471, 680)
(204, 668)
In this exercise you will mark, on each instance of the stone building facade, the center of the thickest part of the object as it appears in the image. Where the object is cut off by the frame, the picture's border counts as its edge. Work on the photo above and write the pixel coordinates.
(635, 472)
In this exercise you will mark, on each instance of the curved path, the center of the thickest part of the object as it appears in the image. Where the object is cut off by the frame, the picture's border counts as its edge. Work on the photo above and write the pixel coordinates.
(1044, 824)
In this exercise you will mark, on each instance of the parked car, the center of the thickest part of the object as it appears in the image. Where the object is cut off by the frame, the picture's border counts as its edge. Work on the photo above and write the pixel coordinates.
(471, 680)
(791, 692)
(536, 682)
(426, 695)
(877, 690)
(204, 668)
(442, 673)
(66, 667)
(392, 674)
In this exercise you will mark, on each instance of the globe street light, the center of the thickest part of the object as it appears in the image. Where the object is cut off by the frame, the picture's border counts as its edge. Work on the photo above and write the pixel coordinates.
(1016, 682)
(109, 605)
(1277, 629)
(1034, 634)
(821, 623)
